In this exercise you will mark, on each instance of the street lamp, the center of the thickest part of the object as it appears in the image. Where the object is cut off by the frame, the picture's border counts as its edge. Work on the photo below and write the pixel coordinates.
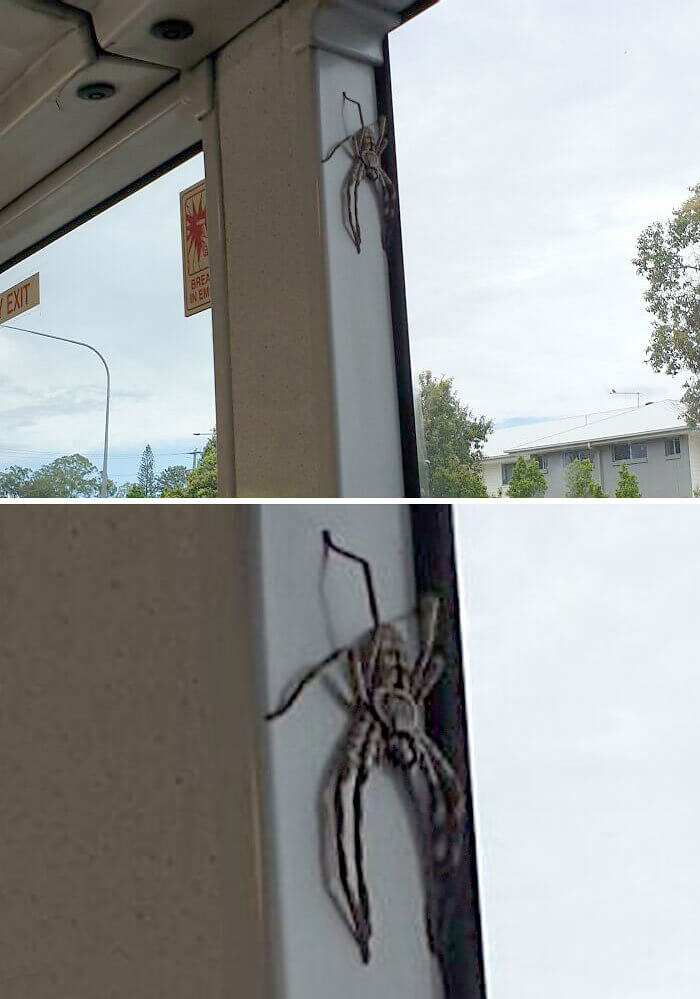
(79, 343)
(615, 392)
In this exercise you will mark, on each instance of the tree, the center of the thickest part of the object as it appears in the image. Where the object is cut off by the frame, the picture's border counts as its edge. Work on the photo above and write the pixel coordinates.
(135, 491)
(627, 486)
(14, 481)
(146, 477)
(202, 480)
(172, 479)
(580, 483)
(456, 479)
(69, 477)
(454, 439)
(527, 479)
(668, 256)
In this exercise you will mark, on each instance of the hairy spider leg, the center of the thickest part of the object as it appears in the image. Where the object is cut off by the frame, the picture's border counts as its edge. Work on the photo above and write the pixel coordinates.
(367, 569)
(382, 139)
(359, 751)
(428, 667)
(389, 202)
(365, 933)
(306, 678)
(350, 186)
(431, 878)
(336, 147)
(446, 815)
(452, 827)
(351, 100)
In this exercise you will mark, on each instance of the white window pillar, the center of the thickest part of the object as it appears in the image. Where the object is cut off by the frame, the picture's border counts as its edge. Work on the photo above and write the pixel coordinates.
(306, 376)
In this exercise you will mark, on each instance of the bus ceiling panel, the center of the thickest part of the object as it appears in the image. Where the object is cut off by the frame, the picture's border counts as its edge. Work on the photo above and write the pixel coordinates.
(28, 31)
(61, 106)
(162, 128)
(177, 33)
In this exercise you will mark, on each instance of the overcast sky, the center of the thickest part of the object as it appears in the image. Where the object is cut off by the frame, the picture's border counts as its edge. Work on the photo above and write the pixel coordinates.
(584, 693)
(115, 282)
(536, 139)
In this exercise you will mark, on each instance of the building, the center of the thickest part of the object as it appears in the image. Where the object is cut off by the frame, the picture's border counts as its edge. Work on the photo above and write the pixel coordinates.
(654, 441)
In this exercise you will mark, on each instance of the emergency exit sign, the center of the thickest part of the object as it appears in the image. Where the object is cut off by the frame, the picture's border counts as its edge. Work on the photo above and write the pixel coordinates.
(21, 298)
(195, 249)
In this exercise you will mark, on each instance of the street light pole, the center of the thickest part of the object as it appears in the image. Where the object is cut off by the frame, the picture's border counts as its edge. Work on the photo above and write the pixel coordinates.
(79, 343)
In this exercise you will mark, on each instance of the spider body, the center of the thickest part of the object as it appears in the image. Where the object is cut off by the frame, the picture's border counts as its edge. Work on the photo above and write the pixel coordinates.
(366, 150)
(387, 691)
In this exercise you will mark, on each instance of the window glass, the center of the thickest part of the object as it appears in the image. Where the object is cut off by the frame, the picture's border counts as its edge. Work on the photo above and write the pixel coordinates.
(621, 452)
(116, 284)
(541, 460)
(673, 447)
(570, 456)
(532, 155)
(584, 753)
(638, 451)
(507, 471)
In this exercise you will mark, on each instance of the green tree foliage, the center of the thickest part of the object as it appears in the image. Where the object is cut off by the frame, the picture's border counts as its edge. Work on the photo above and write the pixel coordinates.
(171, 479)
(70, 477)
(14, 481)
(202, 480)
(135, 491)
(453, 478)
(454, 440)
(668, 256)
(147, 476)
(527, 480)
(580, 483)
(627, 486)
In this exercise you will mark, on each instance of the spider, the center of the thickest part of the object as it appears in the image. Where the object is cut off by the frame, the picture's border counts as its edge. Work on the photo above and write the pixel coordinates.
(367, 150)
(386, 726)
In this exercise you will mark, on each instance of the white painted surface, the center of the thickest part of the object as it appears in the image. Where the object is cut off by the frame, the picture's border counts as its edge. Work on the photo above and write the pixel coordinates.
(307, 609)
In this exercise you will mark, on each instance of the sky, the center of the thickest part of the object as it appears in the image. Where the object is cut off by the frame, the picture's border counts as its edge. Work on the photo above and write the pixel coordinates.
(583, 697)
(116, 283)
(536, 139)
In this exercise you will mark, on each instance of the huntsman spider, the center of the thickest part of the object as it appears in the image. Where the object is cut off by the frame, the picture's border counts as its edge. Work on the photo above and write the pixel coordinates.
(386, 725)
(366, 150)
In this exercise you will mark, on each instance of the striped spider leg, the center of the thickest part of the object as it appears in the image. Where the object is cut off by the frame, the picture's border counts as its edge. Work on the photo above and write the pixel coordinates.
(386, 726)
(367, 150)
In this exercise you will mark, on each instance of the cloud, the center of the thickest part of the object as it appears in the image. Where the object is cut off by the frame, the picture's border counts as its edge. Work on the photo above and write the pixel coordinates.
(579, 623)
(531, 154)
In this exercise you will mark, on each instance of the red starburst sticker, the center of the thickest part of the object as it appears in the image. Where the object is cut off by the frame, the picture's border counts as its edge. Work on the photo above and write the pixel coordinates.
(195, 249)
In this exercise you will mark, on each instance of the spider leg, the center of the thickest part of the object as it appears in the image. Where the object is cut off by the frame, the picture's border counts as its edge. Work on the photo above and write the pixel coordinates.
(306, 678)
(358, 234)
(366, 568)
(357, 756)
(389, 202)
(382, 140)
(352, 184)
(351, 100)
(428, 607)
(336, 147)
(444, 830)
(451, 825)
(428, 667)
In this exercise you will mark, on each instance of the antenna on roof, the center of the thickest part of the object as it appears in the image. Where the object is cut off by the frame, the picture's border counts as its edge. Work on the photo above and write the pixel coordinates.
(615, 392)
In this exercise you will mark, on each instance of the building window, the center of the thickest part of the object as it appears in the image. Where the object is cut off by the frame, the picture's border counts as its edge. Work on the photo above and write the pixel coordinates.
(507, 472)
(672, 447)
(583, 454)
(541, 460)
(629, 452)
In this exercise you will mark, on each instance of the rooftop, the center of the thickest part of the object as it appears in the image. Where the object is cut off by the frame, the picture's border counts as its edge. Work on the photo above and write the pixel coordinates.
(654, 418)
